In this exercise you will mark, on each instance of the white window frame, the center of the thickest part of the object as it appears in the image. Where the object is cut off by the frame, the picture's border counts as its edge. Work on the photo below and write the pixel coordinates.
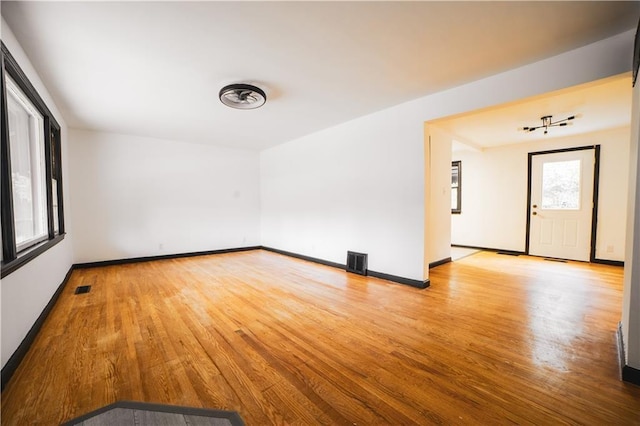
(37, 160)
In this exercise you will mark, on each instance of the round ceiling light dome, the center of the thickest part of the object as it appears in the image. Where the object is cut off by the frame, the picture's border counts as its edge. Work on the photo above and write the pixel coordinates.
(242, 96)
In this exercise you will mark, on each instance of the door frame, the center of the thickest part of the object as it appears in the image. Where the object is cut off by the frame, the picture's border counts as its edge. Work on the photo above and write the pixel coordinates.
(596, 183)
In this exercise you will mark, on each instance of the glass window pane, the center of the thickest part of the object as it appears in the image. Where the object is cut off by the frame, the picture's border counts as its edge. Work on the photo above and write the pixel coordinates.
(54, 192)
(455, 186)
(54, 181)
(26, 130)
(561, 185)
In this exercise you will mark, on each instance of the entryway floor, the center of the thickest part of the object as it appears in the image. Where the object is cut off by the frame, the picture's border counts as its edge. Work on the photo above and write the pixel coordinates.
(458, 253)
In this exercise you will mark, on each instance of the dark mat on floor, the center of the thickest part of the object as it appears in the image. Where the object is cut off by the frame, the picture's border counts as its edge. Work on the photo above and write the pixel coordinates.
(125, 413)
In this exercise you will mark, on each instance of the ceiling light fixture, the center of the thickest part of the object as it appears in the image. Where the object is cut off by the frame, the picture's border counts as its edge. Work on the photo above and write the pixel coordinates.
(242, 96)
(546, 123)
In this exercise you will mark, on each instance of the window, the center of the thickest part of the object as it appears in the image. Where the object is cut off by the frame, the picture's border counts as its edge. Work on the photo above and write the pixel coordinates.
(31, 213)
(561, 185)
(26, 133)
(456, 187)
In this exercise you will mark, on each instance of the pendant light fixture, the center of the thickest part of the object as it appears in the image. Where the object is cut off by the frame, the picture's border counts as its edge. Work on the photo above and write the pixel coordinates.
(546, 123)
(242, 96)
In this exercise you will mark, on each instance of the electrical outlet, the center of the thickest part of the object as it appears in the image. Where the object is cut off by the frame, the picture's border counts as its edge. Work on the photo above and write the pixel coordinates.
(161, 246)
(610, 248)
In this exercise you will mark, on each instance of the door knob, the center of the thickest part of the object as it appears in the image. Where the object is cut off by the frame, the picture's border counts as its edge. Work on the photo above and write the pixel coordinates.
(535, 206)
(534, 213)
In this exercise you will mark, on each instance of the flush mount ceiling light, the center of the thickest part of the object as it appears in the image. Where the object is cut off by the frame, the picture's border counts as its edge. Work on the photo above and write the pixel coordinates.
(546, 123)
(242, 96)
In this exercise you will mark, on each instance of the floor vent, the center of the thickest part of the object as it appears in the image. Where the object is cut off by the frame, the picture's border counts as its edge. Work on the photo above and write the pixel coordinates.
(357, 263)
(550, 259)
(83, 289)
(509, 253)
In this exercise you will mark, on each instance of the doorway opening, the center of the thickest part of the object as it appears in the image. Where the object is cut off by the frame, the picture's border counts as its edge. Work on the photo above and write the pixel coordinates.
(492, 210)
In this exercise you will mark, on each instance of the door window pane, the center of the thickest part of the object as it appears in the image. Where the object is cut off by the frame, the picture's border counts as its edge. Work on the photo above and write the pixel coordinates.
(26, 130)
(561, 185)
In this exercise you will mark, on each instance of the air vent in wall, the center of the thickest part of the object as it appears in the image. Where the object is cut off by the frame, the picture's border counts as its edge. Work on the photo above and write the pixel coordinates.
(357, 263)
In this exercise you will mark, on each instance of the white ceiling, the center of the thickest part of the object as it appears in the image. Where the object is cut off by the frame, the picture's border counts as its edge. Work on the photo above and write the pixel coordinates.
(155, 68)
(598, 105)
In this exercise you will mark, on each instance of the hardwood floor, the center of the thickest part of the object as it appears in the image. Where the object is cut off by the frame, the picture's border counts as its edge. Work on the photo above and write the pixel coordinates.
(494, 340)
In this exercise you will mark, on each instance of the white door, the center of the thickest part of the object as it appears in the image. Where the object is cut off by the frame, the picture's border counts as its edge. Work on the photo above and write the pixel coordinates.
(562, 204)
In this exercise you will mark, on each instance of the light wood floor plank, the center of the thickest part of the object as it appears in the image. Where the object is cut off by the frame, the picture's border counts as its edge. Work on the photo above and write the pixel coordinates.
(495, 339)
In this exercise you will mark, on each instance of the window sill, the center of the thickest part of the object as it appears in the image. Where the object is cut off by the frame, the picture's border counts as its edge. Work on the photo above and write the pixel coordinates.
(28, 255)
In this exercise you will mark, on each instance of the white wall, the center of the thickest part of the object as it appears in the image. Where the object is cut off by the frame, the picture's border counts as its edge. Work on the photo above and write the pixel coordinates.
(438, 165)
(631, 292)
(494, 193)
(330, 192)
(25, 292)
(360, 185)
(135, 196)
